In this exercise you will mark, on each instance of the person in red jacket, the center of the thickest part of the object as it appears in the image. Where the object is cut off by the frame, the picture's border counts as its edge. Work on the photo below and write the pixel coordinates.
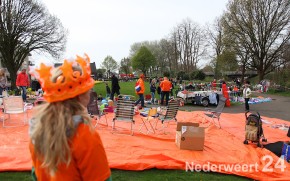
(166, 86)
(225, 92)
(22, 82)
(63, 142)
(140, 89)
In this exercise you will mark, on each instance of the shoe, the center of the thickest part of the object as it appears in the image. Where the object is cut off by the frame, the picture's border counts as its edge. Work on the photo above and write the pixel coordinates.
(144, 106)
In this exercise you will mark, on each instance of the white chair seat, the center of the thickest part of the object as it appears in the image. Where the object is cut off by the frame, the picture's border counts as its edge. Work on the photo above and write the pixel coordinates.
(14, 105)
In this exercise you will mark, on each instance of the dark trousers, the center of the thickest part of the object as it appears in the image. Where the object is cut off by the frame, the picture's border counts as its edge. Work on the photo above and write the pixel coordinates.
(1, 91)
(165, 93)
(247, 107)
(141, 98)
(113, 93)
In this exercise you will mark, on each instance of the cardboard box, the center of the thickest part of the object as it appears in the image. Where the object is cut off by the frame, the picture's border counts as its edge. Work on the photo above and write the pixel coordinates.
(189, 136)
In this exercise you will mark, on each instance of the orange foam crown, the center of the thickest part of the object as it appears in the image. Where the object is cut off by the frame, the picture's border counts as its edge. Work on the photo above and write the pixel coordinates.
(69, 84)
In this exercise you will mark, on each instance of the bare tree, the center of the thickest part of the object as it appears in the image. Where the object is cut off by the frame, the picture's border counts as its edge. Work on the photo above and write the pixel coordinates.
(215, 35)
(26, 26)
(125, 65)
(110, 65)
(190, 44)
(169, 63)
(262, 28)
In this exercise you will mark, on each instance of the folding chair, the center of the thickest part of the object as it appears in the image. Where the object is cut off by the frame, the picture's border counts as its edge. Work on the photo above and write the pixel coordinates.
(215, 113)
(93, 108)
(124, 112)
(14, 105)
(170, 115)
(152, 114)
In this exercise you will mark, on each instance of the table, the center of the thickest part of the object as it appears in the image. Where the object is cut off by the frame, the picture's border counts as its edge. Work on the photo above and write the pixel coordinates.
(189, 96)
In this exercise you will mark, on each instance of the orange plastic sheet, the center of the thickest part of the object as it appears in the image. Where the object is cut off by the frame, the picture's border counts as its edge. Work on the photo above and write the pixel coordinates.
(223, 152)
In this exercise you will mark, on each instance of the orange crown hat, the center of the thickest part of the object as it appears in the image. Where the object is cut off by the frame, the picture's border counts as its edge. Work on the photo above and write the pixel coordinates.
(69, 84)
(142, 76)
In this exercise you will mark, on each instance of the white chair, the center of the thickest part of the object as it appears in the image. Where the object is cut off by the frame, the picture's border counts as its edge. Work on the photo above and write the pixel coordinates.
(170, 114)
(14, 105)
(216, 113)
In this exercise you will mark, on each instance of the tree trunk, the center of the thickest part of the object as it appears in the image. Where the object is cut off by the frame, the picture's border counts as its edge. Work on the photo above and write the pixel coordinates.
(261, 75)
(243, 73)
(13, 76)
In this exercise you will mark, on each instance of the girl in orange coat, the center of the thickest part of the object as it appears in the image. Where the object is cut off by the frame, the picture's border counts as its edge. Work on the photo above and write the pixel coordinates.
(64, 145)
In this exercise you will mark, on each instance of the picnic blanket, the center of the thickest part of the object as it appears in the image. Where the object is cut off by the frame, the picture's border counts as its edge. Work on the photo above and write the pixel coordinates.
(223, 152)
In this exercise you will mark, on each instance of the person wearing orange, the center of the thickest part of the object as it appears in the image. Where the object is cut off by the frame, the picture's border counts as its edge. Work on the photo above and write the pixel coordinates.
(22, 82)
(140, 89)
(166, 86)
(213, 84)
(63, 143)
(225, 91)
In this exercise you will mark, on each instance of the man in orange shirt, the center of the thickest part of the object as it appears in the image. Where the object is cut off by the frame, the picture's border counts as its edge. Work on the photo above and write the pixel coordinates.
(166, 86)
(64, 145)
(140, 89)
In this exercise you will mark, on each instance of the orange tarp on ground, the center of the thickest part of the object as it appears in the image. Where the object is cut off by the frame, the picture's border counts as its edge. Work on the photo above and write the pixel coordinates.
(223, 148)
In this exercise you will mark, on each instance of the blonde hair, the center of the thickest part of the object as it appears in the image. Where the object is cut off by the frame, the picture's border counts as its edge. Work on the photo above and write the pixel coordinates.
(52, 123)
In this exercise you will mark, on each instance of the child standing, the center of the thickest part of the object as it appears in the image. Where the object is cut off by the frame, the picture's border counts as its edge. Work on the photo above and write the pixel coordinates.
(246, 95)
(152, 90)
(108, 90)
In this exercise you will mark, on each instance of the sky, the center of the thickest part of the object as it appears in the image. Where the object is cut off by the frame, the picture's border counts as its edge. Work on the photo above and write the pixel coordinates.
(110, 27)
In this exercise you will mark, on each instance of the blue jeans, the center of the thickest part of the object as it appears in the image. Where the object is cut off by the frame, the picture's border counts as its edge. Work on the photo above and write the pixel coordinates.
(23, 92)
(152, 97)
(141, 98)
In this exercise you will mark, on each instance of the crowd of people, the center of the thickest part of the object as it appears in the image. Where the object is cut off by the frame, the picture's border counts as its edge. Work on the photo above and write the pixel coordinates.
(161, 89)
(162, 86)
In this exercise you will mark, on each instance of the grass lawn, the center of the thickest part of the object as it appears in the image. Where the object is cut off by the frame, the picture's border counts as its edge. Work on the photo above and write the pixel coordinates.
(280, 93)
(148, 175)
(127, 88)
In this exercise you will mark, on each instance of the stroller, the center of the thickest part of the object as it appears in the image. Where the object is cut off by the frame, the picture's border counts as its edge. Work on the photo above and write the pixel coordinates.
(254, 129)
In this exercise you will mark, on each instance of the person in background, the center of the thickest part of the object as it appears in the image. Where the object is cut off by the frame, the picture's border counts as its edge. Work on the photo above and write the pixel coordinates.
(213, 84)
(225, 92)
(172, 87)
(153, 90)
(3, 81)
(247, 95)
(115, 87)
(22, 82)
(140, 91)
(165, 86)
(63, 142)
(108, 90)
(159, 92)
